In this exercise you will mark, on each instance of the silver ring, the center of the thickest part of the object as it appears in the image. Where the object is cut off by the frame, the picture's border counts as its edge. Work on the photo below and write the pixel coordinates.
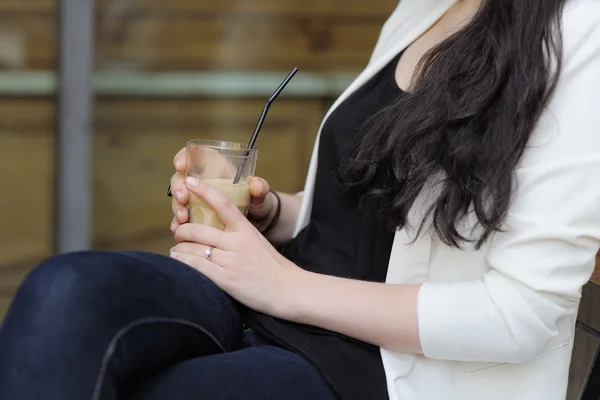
(208, 252)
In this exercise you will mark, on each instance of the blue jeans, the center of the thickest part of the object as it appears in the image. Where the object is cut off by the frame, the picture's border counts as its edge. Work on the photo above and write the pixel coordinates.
(139, 326)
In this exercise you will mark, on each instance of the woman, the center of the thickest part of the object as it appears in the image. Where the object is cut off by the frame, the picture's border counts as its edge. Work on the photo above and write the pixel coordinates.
(458, 168)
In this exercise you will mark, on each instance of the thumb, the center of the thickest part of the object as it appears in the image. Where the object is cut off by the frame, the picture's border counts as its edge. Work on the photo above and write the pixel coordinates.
(259, 188)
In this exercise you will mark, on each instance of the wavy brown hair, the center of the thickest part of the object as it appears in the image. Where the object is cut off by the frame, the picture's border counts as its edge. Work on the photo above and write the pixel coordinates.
(474, 104)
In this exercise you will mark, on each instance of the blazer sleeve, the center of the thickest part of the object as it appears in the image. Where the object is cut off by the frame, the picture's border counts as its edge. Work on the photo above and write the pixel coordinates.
(547, 249)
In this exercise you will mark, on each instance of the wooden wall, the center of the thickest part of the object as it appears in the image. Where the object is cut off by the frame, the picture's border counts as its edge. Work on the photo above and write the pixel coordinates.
(324, 35)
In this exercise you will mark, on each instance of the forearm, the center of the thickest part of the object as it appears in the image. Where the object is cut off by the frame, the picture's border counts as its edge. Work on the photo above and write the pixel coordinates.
(288, 217)
(382, 314)
(460, 321)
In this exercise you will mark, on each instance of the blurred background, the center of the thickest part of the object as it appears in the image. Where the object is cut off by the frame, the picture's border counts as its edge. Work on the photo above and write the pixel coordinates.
(163, 72)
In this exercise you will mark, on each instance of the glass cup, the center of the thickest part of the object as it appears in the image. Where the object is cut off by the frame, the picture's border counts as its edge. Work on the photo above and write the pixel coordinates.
(217, 163)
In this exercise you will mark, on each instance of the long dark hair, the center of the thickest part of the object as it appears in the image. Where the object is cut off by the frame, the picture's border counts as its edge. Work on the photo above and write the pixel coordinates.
(469, 116)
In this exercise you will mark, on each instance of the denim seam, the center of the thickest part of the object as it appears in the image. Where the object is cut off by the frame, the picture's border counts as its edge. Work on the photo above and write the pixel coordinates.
(113, 344)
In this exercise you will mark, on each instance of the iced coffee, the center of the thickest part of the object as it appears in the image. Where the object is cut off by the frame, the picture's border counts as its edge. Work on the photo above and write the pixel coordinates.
(227, 167)
(201, 213)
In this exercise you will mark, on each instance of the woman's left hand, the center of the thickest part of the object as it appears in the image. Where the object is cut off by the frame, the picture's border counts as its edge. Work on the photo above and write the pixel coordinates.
(242, 263)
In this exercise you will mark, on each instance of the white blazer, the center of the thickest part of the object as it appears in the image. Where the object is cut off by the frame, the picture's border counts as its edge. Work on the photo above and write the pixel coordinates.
(497, 323)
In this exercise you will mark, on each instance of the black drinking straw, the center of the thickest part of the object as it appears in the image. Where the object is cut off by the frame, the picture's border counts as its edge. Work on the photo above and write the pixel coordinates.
(261, 120)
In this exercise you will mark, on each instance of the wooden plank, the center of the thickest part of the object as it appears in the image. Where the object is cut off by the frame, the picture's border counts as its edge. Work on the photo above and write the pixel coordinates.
(26, 164)
(12, 276)
(136, 140)
(296, 7)
(303, 7)
(27, 42)
(173, 44)
(240, 40)
(240, 43)
(28, 6)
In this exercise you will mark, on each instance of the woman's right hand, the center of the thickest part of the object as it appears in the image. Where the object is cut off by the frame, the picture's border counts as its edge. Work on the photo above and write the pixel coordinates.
(262, 202)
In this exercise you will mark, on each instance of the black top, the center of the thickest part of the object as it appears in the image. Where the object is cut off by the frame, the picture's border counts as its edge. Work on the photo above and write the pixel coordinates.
(345, 240)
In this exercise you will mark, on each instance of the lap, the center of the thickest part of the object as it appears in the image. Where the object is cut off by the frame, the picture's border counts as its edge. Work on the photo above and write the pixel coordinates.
(263, 372)
(128, 288)
(118, 315)
(110, 320)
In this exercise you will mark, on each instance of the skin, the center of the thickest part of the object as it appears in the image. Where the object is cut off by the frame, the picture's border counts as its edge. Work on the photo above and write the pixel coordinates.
(245, 264)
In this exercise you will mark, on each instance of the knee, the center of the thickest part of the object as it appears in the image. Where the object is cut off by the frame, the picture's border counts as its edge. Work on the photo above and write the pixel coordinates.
(65, 281)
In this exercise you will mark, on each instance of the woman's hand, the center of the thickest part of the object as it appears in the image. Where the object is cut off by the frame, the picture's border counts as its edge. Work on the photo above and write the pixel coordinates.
(243, 263)
(262, 202)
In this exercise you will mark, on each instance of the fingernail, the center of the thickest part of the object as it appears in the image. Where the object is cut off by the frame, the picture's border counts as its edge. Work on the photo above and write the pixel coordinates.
(179, 213)
(191, 181)
(174, 255)
(177, 164)
(178, 195)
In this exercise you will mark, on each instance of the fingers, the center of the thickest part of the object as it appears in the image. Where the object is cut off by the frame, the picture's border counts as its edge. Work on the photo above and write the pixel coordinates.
(225, 209)
(198, 233)
(174, 225)
(178, 188)
(218, 256)
(180, 197)
(260, 204)
(179, 161)
(259, 188)
(179, 191)
(179, 211)
(196, 249)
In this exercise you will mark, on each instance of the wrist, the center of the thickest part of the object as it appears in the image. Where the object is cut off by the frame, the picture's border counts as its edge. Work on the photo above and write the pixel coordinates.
(297, 288)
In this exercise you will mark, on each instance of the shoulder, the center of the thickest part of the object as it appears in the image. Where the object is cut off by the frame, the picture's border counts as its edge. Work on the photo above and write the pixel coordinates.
(581, 29)
(581, 47)
(568, 129)
(582, 11)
